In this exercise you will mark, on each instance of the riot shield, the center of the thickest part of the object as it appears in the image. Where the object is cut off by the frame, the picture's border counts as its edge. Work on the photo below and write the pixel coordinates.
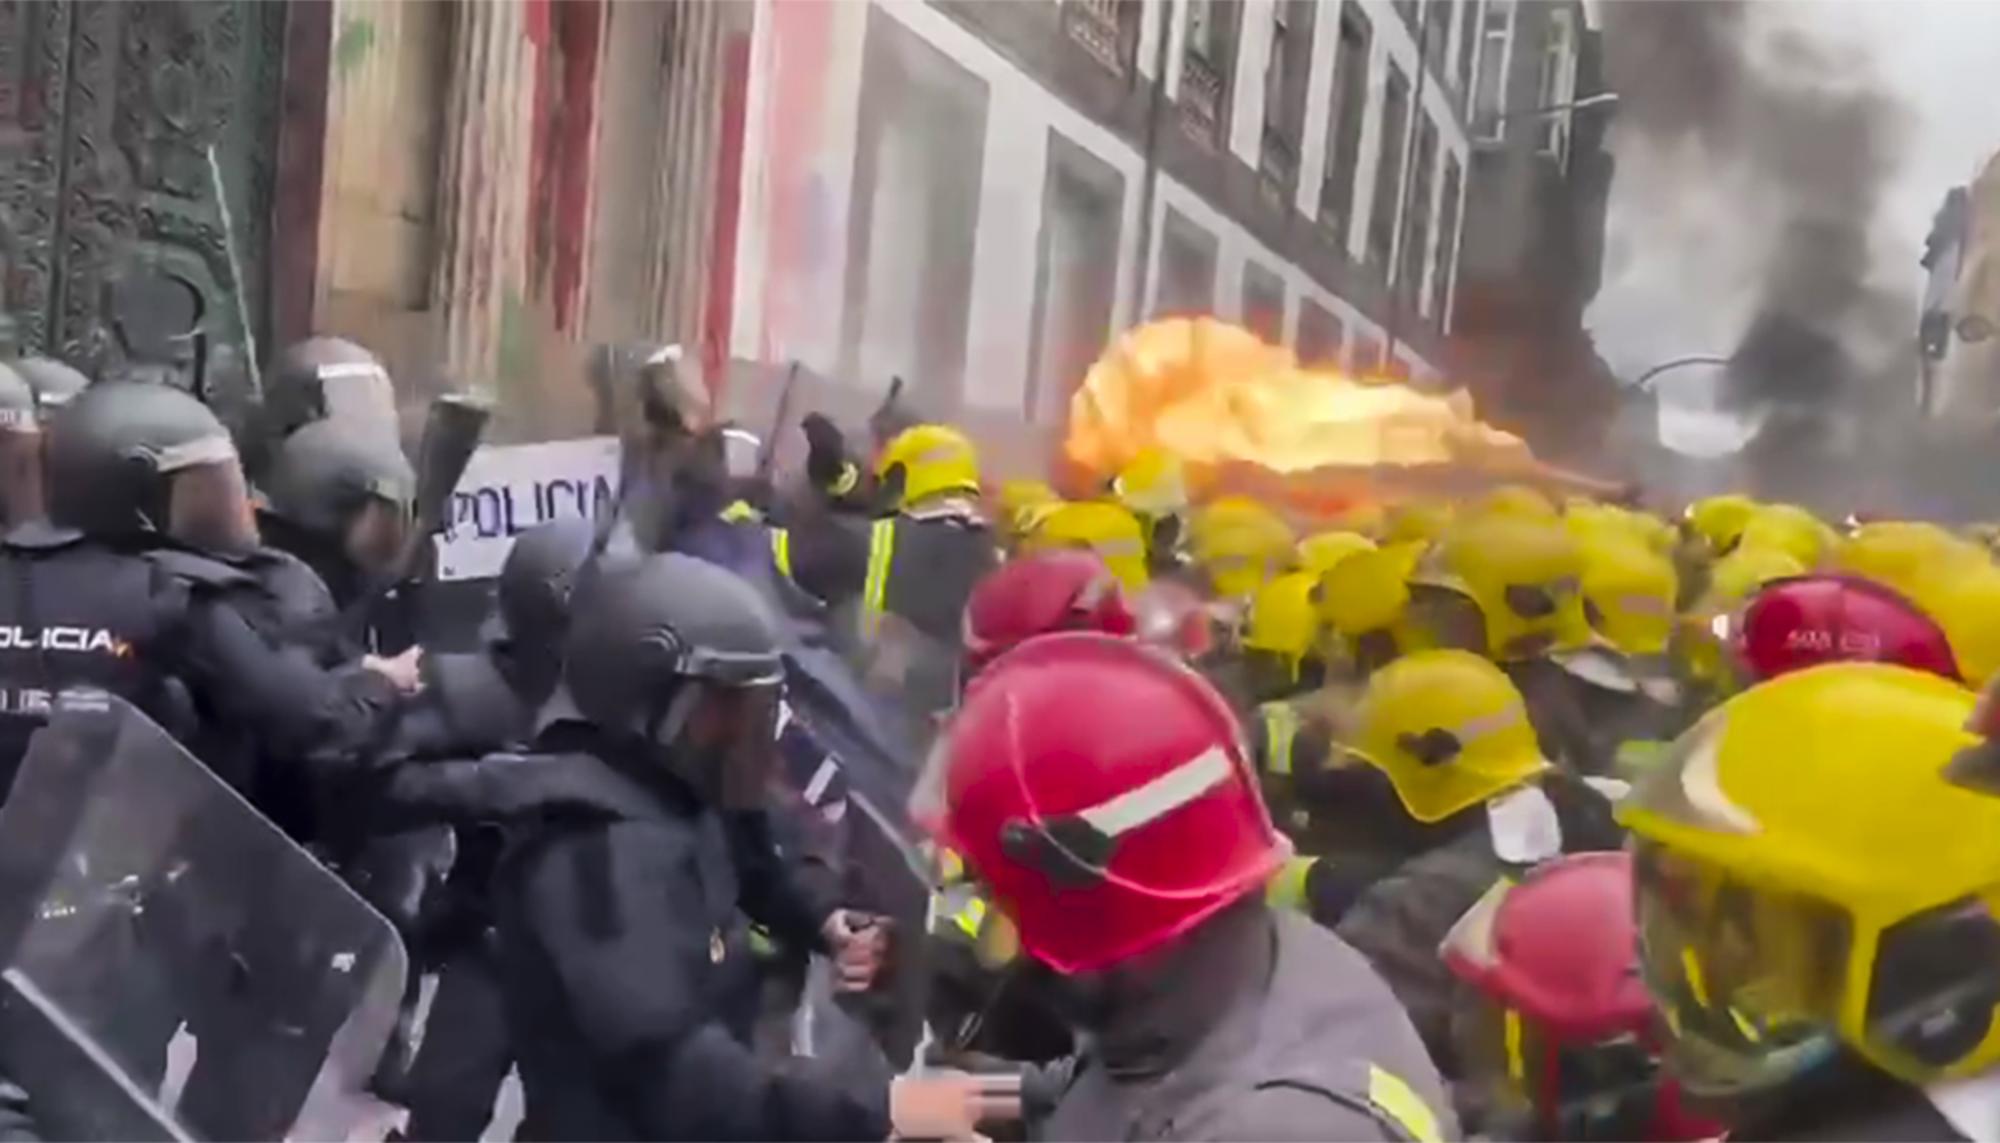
(173, 963)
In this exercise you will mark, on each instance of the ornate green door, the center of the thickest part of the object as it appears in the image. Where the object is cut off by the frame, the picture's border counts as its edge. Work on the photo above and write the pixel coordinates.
(119, 119)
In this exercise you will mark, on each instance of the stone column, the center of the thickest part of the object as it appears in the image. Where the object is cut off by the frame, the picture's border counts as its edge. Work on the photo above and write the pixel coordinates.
(481, 284)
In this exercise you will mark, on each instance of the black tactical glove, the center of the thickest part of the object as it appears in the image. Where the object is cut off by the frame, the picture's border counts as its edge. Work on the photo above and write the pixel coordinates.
(826, 451)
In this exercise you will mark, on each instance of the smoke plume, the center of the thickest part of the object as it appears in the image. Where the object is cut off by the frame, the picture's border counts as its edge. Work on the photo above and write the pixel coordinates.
(1787, 145)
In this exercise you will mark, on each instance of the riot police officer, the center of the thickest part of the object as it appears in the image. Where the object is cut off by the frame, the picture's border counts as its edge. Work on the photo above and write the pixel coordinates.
(324, 379)
(117, 592)
(20, 451)
(54, 382)
(630, 992)
(477, 702)
(339, 497)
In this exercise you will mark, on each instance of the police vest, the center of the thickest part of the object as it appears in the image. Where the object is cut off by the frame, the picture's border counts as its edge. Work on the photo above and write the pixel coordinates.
(75, 616)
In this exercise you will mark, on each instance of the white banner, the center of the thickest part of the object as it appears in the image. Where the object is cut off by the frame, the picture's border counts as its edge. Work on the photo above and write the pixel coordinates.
(510, 488)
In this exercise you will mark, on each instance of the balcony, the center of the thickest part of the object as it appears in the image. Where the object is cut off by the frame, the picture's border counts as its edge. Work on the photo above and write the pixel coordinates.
(1107, 29)
(1201, 98)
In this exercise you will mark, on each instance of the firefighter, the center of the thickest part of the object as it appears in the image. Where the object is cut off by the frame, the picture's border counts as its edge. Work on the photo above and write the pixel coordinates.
(1556, 1034)
(1153, 487)
(1041, 594)
(1702, 653)
(1283, 653)
(1454, 793)
(1109, 530)
(901, 582)
(1237, 544)
(1816, 872)
(1797, 623)
(1625, 680)
(20, 451)
(1364, 601)
(1021, 505)
(1132, 867)
(1508, 586)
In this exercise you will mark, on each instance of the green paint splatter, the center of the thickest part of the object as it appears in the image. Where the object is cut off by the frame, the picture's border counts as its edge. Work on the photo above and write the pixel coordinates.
(516, 355)
(357, 36)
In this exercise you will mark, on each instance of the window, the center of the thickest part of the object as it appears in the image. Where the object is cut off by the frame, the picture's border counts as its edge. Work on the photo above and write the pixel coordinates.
(1264, 303)
(1468, 40)
(1274, 68)
(1557, 86)
(1389, 172)
(911, 220)
(1344, 120)
(1441, 277)
(1416, 239)
(1187, 268)
(1320, 335)
(1490, 88)
(1434, 31)
(1285, 93)
(1201, 22)
(1076, 275)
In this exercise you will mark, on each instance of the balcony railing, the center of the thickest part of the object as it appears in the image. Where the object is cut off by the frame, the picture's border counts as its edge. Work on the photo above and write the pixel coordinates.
(1101, 27)
(1201, 97)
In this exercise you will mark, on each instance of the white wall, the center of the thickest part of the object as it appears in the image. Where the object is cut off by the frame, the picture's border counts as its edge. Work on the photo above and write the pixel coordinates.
(795, 311)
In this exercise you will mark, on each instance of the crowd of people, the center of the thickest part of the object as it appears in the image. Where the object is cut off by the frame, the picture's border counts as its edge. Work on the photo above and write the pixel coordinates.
(1514, 816)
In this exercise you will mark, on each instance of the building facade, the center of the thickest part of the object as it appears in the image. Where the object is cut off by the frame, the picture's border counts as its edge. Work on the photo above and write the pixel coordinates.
(976, 196)
(1534, 227)
(972, 196)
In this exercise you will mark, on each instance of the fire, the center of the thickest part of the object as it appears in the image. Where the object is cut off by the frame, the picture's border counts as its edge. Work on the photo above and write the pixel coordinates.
(1225, 402)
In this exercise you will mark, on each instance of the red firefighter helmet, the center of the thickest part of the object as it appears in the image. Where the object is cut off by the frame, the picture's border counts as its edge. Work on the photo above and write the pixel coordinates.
(1560, 1041)
(1102, 792)
(1804, 621)
(1039, 594)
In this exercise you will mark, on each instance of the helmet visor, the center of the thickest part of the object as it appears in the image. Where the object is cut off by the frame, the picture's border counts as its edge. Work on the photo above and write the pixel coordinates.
(728, 739)
(210, 508)
(1747, 979)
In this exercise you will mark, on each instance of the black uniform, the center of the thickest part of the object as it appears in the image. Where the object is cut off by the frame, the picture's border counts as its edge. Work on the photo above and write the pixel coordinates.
(631, 991)
(155, 630)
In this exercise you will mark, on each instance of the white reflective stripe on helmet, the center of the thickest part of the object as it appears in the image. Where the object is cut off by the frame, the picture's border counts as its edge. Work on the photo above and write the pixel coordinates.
(349, 371)
(202, 450)
(1161, 796)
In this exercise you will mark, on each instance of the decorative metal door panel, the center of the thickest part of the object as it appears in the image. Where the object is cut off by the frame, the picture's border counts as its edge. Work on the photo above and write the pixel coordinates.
(113, 241)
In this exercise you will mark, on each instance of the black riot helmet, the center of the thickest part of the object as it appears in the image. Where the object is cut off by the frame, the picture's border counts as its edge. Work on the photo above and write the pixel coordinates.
(133, 461)
(55, 383)
(536, 583)
(327, 379)
(20, 451)
(327, 472)
(339, 496)
(679, 659)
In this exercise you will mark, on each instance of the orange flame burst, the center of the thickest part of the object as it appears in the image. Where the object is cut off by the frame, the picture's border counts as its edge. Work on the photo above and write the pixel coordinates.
(1244, 414)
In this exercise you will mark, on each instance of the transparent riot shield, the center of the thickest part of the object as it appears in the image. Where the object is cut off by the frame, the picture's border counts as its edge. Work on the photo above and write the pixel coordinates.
(173, 964)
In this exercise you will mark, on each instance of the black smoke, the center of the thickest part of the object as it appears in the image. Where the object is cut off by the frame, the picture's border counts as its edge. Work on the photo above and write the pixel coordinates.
(1716, 93)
